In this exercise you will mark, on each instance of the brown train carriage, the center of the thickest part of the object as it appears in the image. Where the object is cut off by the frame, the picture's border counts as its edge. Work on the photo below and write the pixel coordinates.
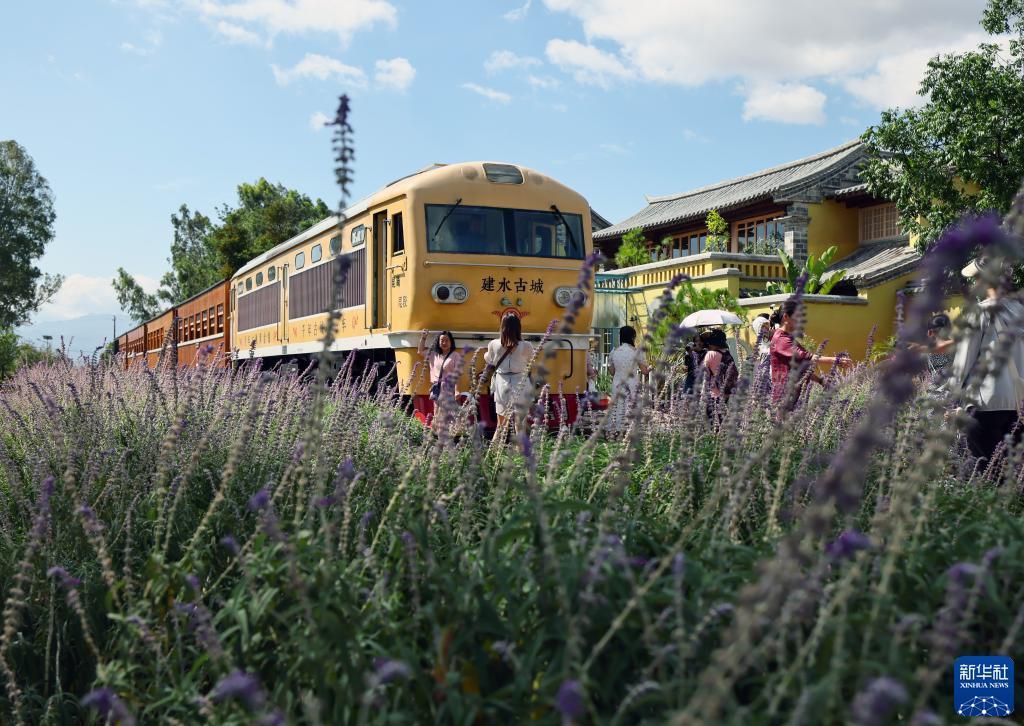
(203, 327)
(199, 330)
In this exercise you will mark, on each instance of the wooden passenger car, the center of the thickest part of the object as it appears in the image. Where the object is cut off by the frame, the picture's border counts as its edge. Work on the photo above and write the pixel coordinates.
(196, 330)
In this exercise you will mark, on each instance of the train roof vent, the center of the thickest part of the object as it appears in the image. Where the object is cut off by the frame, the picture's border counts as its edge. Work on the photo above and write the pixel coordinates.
(503, 174)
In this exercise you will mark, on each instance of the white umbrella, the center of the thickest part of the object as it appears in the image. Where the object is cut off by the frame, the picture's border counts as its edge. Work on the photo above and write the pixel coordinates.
(704, 318)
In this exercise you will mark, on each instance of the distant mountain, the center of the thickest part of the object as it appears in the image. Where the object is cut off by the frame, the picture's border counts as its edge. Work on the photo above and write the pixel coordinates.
(82, 335)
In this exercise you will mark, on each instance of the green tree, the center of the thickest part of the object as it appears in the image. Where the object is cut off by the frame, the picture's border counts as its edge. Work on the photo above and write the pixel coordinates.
(633, 250)
(15, 353)
(267, 215)
(26, 227)
(203, 252)
(689, 299)
(135, 301)
(963, 150)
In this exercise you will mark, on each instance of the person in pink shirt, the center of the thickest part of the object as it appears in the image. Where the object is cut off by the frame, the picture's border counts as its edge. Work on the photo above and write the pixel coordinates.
(786, 353)
(440, 359)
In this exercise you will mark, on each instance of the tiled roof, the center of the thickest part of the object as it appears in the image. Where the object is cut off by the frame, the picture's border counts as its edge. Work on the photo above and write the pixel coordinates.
(850, 191)
(876, 262)
(773, 182)
(597, 221)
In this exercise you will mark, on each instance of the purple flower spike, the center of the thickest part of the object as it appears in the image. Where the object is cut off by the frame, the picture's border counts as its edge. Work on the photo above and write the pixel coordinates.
(876, 702)
(848, 544)
(230, 544)
(241, 686)
(387, 670)
(569, 700)
(962, 570)
(109, 706)
(66, 580)
(259, 500)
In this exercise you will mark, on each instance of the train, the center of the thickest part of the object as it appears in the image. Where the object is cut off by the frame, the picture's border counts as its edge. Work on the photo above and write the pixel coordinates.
(450, 247)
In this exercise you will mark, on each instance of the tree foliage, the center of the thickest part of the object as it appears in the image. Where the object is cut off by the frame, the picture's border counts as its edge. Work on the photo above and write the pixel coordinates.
(203, 252)
(633, 250)
(963, 150)
(26, 227)
(16, 353)
(718, 232)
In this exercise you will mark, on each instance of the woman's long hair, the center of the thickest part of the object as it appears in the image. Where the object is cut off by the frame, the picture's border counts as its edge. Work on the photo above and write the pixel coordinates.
(437, 342)
(511, 330)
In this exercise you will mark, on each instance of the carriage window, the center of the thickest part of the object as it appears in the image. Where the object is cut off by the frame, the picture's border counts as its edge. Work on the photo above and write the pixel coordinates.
(248, 283)
(511, 232)
(259, 279)
(358, 236)
(300, 260)
(397, 235)
(316, 254)
(271, 274)
(335, 244)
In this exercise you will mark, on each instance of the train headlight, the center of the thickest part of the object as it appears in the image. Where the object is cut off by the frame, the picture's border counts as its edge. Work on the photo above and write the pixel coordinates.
(565, 295)
(449, 293)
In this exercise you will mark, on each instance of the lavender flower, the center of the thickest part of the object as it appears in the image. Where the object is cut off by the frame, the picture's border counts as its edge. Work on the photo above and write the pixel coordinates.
(241, 686)
(875, 703)
(109, 706)
(847, 544)
(259, 500)
(570, 700)
(230, 544)
(386, 670)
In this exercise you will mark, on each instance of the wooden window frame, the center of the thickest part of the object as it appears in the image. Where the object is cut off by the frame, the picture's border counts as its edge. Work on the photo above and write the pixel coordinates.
(220, 317)
(747, 223)
(889, 216)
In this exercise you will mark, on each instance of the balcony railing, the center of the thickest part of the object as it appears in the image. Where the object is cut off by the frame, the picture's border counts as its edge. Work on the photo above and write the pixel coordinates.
(758, 268)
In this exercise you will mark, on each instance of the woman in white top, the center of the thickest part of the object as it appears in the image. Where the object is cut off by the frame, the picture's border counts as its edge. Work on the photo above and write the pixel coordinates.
(624, 363)
(510, 355)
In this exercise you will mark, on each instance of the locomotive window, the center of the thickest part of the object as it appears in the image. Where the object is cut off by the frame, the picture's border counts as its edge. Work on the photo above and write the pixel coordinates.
(300, 260)
(259, 279)
(316, 254)
(271, 274)
(397, 235)
(335, 244)
(512, 232)
(248, 283)
(358, 236)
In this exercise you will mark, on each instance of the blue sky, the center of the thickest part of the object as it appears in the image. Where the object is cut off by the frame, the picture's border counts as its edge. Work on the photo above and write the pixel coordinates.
(132, 107)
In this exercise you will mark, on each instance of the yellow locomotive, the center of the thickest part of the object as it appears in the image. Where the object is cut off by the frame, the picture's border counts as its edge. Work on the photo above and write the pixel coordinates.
(452, 247)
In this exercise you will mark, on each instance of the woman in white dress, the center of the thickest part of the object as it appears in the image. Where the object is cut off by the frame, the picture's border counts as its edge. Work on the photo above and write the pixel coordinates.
(625, 363)
(510, 356)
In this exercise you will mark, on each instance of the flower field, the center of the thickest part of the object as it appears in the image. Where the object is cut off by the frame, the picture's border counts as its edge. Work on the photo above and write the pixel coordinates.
(197, 544)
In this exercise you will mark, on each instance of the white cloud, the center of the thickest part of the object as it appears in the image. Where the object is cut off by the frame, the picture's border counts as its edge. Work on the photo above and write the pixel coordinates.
(488, 93)
(543, 82)
(873, 50)
(694, 137)
(587, 64)
(396, 73)
(153, 39)
(501, 60)
(319, 120)
(792, 103)
(84, 295)
(237, 34)
(518, 13)
(321, 67)
(295, 17)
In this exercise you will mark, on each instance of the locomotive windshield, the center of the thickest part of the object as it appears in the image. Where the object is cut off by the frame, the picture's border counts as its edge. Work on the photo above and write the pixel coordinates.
(458, 228)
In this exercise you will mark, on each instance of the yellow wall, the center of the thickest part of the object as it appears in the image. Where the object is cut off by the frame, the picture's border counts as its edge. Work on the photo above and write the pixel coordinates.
(831, 224)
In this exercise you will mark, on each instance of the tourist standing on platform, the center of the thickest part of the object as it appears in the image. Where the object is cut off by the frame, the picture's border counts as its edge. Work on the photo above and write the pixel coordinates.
(991, 397)
(510, 357)
(625, 363)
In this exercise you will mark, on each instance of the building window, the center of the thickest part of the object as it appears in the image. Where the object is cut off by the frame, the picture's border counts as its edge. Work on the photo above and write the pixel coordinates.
(259, 279)
(205, 328)
(212, 322)
(300, 260)
(271, 274)
(316, 254)
(761, 235)
(397, 235)
(335, 244)
(220, 316)
(879, 222)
